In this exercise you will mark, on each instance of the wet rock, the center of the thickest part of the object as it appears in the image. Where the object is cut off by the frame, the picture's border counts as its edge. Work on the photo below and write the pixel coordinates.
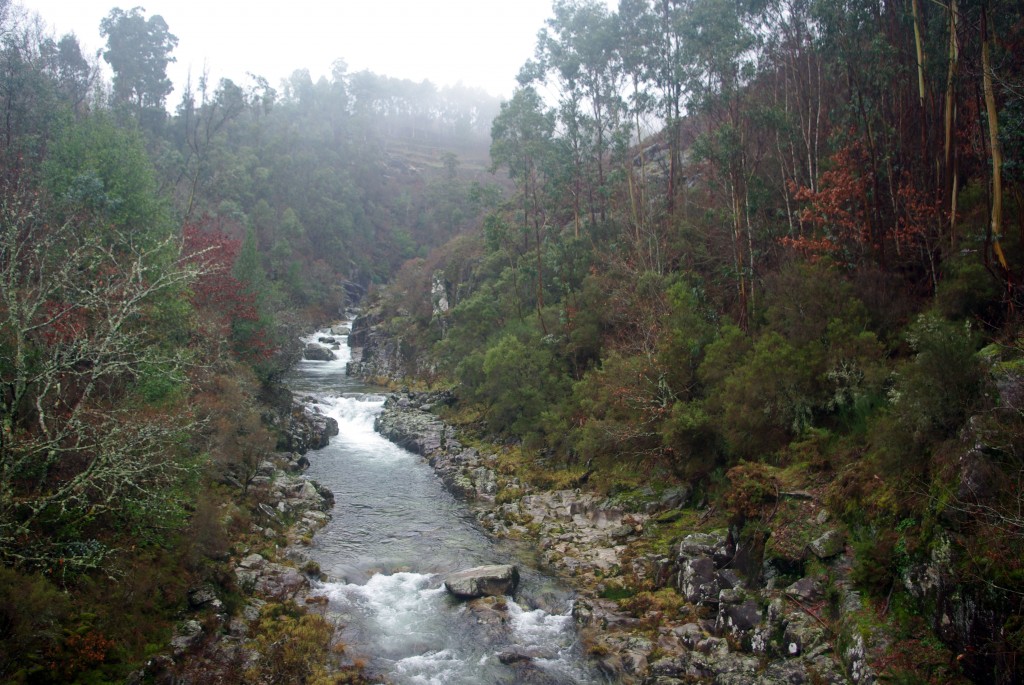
(674, 498)
(690, 634)
(317, 352)
(204, 596)
(253, 562)
(513, 656)
(408, 427)
(806, 590)
(828, 545)
(803, 633)
(305, 428)
(699, 581)
(730, 579)
(267, 511)
(188, 635)
(621, 532)
(711, 544)
(483, 581)
(737, 615)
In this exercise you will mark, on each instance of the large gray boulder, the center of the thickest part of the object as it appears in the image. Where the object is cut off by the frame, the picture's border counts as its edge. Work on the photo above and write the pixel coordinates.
(483, 581)
(315, 352)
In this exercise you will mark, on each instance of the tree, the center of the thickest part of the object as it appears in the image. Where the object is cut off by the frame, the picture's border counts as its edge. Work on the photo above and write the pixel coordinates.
(580, 49)
(722, 48)
(138, 50)
(522, 142)
(87, 385)
(101, 167)
(73, 74)
(202, 123)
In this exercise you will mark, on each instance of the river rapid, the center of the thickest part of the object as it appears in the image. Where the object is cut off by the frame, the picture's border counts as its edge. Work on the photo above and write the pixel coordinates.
(394, 533)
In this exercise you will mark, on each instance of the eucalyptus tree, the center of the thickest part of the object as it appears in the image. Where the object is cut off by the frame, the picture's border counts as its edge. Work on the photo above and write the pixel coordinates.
(579, 49)
(721, 50)
(202, 122)
(654, 56)
(523, 143)
(72, 74)
(643, 48)
(35, 72)
(138, 50)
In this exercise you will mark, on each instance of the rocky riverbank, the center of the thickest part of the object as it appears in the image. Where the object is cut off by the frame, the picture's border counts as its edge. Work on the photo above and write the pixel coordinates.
(221, 636)
(667, 593)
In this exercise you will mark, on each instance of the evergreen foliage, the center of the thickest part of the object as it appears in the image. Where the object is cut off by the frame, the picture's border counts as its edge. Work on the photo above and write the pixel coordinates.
(731, 237)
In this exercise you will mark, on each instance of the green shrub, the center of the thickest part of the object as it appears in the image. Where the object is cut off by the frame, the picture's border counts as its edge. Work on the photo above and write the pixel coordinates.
(31, 613)
(935, 391)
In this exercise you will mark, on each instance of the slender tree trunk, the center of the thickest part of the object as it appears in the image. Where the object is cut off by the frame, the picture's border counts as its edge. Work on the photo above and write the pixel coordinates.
(949, 147)
(919, 47)
(996, 148)
(540, 259)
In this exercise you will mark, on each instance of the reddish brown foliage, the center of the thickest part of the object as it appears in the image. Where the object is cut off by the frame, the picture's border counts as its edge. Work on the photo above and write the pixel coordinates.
(837, 213)
(229, 306)
(841, 218)
(80, 652)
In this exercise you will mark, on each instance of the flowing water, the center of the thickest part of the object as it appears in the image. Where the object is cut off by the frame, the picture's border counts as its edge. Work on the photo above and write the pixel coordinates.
(395, 531)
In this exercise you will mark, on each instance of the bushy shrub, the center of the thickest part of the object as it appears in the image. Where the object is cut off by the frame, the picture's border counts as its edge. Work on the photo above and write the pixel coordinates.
(770, 397)
(937, 388)
(518, 381)
(31, 611)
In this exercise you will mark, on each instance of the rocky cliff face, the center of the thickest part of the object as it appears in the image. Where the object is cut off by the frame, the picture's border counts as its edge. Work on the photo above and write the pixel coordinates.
(299, 422)
(380, 357)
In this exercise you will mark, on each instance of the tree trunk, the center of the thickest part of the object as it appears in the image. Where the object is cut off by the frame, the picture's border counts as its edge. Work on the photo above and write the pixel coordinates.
(950, 124)
(997, 152)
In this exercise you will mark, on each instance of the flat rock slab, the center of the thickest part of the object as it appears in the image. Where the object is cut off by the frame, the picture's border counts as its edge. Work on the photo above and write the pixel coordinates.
(483, 581)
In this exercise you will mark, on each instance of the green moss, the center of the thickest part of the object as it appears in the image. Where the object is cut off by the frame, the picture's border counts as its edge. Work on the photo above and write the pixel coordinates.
(616, 593)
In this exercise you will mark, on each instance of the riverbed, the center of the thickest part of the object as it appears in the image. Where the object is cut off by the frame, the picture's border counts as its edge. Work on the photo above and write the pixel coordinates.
(394, 534)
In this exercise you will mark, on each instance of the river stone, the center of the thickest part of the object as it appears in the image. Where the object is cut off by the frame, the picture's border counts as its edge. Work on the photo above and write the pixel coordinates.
(253, 561)
(806, 590)
(315, 352)
(483, 581)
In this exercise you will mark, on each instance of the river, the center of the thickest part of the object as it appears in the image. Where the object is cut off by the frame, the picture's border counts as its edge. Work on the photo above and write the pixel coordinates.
(394, 533)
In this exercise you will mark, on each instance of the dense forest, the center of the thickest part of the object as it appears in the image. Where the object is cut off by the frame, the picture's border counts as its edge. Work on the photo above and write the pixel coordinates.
(750, 247)
(757, 248)
(158, 261)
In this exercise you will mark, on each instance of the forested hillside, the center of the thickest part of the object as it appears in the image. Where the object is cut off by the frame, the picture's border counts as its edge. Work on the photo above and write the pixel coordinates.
(763, 248)
(769, 251)
(157, 263)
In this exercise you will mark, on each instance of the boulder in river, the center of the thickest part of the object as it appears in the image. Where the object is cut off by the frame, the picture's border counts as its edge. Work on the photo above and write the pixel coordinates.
(483, 581)
(317, 352)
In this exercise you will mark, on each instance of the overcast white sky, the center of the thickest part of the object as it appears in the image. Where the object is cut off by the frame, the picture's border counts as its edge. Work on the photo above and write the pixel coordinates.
(478, 42)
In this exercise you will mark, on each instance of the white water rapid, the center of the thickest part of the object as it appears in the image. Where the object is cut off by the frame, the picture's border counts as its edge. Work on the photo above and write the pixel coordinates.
(395, 531)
